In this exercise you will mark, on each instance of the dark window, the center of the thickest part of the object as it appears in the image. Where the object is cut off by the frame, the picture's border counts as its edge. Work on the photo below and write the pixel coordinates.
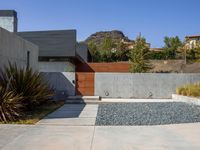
(28, 59)
(54, 59)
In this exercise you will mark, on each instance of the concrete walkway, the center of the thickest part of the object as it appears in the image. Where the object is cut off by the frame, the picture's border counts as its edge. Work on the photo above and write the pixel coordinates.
(72, 115)
(59, 131)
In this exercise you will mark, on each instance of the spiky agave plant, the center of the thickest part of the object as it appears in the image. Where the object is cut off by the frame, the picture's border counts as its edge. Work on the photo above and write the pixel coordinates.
(10, 106)
(28, 84)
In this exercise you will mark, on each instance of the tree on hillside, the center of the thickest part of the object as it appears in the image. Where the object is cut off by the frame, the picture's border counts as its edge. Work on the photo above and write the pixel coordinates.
(137, 56)
(109, 50)
(122, 51)
(94, 52)
(121, 46)
(171, 46)
(121, 55)
(197, 51)
(107, 44)
(92, 47)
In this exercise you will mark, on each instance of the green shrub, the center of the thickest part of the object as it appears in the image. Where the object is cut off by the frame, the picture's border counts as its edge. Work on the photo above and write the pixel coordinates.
(189, 90)
(161, 55)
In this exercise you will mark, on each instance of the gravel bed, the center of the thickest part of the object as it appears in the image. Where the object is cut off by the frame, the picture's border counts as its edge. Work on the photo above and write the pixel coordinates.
(147, 113)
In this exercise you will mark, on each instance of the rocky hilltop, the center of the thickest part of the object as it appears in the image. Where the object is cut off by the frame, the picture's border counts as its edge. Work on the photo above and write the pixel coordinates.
(98, 37)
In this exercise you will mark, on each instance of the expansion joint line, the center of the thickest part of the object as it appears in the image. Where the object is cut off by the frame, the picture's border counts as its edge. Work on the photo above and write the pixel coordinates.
(92, 138)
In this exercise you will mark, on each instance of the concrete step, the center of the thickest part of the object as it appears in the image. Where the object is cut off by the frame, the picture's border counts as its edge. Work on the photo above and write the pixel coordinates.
(83, 97)
(81, 101)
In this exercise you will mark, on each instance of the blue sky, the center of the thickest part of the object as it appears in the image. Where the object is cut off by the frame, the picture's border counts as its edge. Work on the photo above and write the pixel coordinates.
(153, 18)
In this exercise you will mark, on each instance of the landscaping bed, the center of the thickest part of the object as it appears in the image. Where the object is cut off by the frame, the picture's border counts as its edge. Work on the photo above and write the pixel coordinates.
(32, 117)
(186, 99)
(191, 90)
(155, 113)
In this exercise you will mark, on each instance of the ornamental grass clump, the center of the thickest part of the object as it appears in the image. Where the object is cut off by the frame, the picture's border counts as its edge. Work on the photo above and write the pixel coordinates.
(10, 105)
(21, 90)
(189, 90)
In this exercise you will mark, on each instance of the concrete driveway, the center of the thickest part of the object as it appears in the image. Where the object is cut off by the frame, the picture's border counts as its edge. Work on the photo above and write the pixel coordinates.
(54, 134)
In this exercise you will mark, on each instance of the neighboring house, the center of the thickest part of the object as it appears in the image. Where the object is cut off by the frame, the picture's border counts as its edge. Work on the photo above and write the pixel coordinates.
(156, 49)
(130, 44)
(192, 40)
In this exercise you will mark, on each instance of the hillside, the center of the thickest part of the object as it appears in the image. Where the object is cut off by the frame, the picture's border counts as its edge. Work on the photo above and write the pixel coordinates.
(98, 37)
(175, 66)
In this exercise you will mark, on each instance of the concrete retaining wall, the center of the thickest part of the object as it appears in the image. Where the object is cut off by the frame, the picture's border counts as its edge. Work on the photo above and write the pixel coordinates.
(63, 83)
(128, 85)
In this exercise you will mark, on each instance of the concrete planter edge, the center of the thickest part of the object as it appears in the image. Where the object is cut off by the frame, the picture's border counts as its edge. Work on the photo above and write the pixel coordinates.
(190, 100)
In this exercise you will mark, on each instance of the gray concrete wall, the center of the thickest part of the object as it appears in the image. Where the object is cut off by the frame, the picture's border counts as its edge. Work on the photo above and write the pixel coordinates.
(63, 83)
(56, 67)
(128, 85)
(14, 49)
(82, 51)
(9, 23)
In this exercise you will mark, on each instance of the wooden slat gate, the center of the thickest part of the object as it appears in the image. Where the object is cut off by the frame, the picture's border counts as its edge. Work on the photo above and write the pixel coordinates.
(85, 83)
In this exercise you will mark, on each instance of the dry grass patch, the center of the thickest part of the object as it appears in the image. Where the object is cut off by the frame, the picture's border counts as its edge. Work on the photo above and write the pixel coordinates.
(192, 90)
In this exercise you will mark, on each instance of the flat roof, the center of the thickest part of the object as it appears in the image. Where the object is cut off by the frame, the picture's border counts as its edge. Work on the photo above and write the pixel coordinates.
(53, 43)
(193, 36)
(8, 13)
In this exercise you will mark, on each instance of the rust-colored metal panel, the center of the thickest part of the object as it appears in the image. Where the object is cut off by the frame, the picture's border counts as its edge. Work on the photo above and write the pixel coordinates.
(85, 74)
(85, 83)
(103, 67)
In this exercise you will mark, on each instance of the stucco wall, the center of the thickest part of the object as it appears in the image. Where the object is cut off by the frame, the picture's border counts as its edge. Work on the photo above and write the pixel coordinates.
(127, 85)
(14, 49)
(63, 83)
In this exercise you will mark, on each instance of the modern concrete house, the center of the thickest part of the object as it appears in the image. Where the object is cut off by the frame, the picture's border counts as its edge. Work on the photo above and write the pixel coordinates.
(14, 49)
(58, 50)
(59, 53)
(54, 53)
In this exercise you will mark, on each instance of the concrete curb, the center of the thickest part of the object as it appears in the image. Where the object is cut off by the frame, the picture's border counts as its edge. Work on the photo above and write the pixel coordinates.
(110, 100)
(191, 100)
